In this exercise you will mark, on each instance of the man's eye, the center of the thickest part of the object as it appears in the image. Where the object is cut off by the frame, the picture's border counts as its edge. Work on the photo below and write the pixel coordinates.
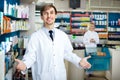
(45, 13)
(52, 12)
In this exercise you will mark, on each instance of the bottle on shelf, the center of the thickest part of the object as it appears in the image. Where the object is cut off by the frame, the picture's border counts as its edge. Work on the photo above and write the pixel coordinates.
(10, 56)
(15, 53)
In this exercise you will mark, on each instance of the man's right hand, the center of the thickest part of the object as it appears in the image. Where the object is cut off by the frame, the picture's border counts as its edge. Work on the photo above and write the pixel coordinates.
(20, 65)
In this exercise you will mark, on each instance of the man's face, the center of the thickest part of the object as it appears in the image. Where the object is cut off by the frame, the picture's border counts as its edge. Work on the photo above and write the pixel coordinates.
(92, 27)
(49, 16)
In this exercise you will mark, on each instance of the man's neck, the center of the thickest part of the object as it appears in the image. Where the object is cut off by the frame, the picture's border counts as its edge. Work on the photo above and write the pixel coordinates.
(91, 29)
(49, 26)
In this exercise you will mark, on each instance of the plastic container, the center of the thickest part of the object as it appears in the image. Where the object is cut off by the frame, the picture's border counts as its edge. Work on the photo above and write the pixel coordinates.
(91, 51)
(100, 63)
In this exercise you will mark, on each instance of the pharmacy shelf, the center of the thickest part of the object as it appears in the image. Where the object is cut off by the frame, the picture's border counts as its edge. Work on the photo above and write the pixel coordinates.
(15, 18)
(11, 34)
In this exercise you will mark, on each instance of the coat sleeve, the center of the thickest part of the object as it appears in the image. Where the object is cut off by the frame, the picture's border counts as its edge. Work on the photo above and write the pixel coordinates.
(68, 54)
(97, 38)
(30, 55)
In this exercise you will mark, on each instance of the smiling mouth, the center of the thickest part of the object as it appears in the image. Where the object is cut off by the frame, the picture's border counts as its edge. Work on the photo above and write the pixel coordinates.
(49, 19)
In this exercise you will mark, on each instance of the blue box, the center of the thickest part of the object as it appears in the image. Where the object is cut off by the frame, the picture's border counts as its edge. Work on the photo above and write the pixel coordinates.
(100, 63)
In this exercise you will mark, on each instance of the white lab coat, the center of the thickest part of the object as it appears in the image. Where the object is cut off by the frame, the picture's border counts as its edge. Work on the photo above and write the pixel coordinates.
(88, 36)
(47, 58)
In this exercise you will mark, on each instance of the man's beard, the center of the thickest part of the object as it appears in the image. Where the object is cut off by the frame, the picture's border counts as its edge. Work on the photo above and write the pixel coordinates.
(49, 23)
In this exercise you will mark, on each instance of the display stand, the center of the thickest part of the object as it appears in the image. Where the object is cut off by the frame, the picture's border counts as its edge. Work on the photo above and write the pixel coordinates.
(114, 72)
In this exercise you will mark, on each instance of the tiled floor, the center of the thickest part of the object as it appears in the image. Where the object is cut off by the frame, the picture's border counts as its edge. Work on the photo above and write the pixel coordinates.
(97, 75)
(96, 78)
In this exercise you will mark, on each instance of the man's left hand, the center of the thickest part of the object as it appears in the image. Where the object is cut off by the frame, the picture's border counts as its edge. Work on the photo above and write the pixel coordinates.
(84, 63)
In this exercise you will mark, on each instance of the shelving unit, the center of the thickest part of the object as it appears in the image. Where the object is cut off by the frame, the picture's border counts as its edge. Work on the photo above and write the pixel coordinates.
(107, 23)
(114, 27)
(13, 20)
(114, 21)
(63, 20)
(11, 34)
(114, 36)
(9, 31)
(63, 17)
(79, 22)
(100, 19)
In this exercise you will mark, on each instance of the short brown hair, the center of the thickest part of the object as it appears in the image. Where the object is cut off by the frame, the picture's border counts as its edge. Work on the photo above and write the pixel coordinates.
(92, 23)
(47, 6)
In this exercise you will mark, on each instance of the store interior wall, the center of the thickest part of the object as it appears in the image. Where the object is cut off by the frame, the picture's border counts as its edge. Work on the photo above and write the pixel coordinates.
(63, 5)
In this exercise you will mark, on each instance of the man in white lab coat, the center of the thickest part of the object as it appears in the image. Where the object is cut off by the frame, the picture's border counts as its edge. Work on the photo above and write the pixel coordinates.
(90, 40)
(45, 55)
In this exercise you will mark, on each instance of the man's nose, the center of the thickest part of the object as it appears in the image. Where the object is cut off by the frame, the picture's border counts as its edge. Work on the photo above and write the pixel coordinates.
(49, 15)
